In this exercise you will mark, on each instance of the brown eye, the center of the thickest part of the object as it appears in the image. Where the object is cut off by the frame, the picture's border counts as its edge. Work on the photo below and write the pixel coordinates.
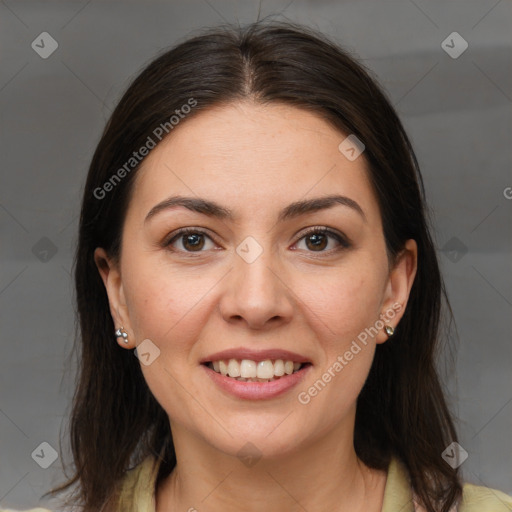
(317, 240)
(194, 241)
(191, 240)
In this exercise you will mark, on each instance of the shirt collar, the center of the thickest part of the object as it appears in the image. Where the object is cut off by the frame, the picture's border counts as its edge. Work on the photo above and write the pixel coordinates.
(398, 491)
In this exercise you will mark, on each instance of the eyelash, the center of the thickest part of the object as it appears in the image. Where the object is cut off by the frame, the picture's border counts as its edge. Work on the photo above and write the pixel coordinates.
(317, 230)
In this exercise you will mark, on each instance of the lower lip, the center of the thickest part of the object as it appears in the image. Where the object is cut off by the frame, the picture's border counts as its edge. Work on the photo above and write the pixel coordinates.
(257, 390)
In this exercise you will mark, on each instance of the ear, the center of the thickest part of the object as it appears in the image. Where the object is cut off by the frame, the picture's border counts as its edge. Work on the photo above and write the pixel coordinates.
(398, 288)
(111, 277)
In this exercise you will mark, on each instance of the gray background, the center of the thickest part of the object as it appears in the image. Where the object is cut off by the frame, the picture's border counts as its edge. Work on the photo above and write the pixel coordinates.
(457, 112)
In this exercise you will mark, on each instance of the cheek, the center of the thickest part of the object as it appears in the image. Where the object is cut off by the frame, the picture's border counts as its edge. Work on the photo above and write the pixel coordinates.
(168, 308)
(342, 311)
(346, 302)
(163, 304)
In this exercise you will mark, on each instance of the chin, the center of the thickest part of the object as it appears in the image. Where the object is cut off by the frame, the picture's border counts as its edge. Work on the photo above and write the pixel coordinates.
(267, 438)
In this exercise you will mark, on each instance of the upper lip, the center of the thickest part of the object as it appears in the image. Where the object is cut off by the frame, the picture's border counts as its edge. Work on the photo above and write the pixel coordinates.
(255, 355)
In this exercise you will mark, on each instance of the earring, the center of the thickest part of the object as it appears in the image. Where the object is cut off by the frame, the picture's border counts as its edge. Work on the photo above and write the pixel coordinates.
(389, 330)
(120, 333)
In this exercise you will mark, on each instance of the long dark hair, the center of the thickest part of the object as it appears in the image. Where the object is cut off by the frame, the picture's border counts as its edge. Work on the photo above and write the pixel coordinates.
(401, 411)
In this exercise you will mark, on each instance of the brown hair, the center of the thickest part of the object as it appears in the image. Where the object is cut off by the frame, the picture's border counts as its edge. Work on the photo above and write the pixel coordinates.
(401, 410)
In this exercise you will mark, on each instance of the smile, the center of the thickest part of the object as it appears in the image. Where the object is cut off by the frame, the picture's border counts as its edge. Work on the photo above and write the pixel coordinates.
(247, 370)
(278, 377)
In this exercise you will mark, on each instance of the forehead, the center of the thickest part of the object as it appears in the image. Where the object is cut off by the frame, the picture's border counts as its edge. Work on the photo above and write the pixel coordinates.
(251, 157)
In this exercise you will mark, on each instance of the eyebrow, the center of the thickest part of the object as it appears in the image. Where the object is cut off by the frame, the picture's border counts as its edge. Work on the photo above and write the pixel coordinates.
(293, 210)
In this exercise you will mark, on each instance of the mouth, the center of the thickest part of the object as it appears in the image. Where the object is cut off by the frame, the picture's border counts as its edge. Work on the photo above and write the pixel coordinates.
(248, 370)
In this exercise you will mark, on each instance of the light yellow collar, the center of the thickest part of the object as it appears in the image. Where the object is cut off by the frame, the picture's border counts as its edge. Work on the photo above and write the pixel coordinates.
(398, 491)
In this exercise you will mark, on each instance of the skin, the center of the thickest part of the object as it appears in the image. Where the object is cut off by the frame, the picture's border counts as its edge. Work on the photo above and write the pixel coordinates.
(255, 160)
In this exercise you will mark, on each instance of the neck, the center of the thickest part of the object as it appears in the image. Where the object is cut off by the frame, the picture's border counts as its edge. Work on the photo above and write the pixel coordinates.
(324, 475)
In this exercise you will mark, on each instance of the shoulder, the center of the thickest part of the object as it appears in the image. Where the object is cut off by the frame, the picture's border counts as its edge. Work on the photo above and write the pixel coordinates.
(30, 510)
(398, 494)
(137, 488)
(477, 498)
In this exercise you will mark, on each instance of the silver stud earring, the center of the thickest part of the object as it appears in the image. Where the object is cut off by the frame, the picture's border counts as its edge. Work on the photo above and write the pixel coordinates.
(121, 333)
(389, 330)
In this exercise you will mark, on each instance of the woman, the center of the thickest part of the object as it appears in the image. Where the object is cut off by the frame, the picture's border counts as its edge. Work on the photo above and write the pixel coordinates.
(253, 230)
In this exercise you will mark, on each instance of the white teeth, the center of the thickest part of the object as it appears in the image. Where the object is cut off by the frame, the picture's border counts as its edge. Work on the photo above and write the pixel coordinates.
(265, 369)
(248, 370)
(223, 367)
(279, 368)
(233, 368)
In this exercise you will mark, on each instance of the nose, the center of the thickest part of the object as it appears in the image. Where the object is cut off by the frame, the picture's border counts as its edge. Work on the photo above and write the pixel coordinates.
(257, 293)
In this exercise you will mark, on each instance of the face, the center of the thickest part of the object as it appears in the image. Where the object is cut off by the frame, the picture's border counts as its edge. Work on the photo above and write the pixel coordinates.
(251, 283)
